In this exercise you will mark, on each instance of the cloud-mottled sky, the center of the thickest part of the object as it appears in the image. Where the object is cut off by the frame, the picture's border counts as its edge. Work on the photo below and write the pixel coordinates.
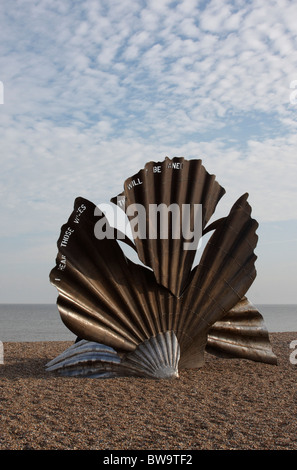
(94, 89)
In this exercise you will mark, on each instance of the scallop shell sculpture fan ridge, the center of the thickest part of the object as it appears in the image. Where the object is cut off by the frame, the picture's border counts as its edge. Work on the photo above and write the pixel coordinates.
(156, 318)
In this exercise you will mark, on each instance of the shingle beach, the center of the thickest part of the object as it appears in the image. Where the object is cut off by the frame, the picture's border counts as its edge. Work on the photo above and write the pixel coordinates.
(229, 404)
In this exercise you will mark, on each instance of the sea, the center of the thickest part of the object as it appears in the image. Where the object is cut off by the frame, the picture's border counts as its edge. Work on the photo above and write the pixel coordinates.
(42, 322)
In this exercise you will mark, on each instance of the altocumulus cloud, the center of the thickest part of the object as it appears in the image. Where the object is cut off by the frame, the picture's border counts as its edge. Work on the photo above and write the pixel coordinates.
(94, 89)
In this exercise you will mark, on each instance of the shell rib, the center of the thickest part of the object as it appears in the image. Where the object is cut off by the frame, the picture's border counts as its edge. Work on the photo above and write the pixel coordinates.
(156, 357)
(107, 299)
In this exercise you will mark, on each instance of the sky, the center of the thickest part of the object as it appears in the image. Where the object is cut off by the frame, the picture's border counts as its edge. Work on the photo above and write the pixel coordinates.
(92, 90)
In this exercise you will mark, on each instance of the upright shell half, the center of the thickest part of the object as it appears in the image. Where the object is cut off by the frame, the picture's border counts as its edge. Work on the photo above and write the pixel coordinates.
(155, 318)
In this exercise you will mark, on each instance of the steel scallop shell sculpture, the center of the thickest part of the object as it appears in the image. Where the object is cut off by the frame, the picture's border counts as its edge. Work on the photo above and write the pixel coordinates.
(158, 317)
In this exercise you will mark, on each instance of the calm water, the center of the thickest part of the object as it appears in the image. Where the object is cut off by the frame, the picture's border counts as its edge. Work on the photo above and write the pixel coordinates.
(32, 322)
(42, 322)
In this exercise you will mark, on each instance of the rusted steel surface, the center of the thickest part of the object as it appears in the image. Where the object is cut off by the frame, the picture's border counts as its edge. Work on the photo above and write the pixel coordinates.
(106, 298)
